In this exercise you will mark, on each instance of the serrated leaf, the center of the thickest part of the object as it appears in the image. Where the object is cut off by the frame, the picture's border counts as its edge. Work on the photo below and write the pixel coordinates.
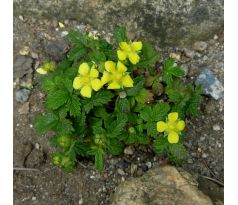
(77, 38)
(177, 71)
(115, 147)
(64, 64)
(159, 111)
(45, 122)
(139, 83)
(161, 145)
(57, 99)
(177, 153)
(151, 129)
(144, 96)
(120, 34)
(97, 56)
(145, 113)
(74, 105)
(99, 160)
(64, 126)
(99, 98)
(77, 52)
(122, 105)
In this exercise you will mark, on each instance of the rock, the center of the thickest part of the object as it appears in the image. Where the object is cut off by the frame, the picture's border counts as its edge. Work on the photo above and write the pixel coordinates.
(164, 185)
(24, 109)
(216, 127)
(22, 95)
(35, 159)
(121, 172)
(24, 51)
(175, 56)
(189, 53)
(148, 164)
(21, 153)
(164, 22)
(211, 85)
(133, 168)
(129, 150)
(34, 55)
(22, 65)
(56, 49)
(200, 46)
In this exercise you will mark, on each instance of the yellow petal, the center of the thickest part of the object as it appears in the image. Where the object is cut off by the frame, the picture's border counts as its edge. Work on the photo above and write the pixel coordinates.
(134, 58)
(110, 66)
(161, 126)
(173, 116)
(127, 81)
(180, 125)
(83, 69)
(173, 137)
(86, 91)
(61, 25)
(41, 71)
(124, 46)
(105, 78)
(94, 73)
(121, 67)
(77, 84)
(96, 84)
(121, 55)
(114, 85)
(136, 46)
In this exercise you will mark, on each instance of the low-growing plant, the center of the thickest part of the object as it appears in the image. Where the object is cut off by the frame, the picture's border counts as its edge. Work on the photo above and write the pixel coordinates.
(103, 97)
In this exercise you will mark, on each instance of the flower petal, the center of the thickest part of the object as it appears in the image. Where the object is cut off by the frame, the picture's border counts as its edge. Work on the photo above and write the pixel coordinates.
(180, 125)
(127, 81)
(86, 91)
(173, 116)
(134, 57)
(121, 67)
(77, 84)
(114, 85)
(136, 46)
(110, 66)
(96, 84)
(94, 73)
(124, 46)
(41, 71)
(173, 137)
(121, 55)
(161, 126)
(105, 78)
(83, 69)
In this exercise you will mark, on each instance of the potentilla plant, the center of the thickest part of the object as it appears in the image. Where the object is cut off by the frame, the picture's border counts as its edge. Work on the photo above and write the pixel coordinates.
(103, 97)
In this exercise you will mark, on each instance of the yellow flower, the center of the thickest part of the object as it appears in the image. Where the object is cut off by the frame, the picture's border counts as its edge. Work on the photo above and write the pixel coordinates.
(87, 80)
(116, 76)
(172, 127)
(46, 67)
(129, 51)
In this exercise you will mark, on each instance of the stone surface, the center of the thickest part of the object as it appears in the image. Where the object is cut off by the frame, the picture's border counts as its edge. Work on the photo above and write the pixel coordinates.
(24, 109)
(166, 22)
(35, 159)
(22, 66)
(160, 186)
(211, 85)
(22, 95)
(200, 46)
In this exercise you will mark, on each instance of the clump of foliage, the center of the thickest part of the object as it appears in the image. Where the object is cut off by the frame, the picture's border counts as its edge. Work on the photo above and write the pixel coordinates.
(103, 97)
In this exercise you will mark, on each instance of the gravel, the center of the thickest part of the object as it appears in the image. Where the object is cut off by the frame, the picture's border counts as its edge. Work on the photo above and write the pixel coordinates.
(22, 95)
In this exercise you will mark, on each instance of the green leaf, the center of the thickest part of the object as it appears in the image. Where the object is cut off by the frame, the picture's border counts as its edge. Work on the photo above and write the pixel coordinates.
(120, 34)
(116, 127)
(97, 56)
(56, 99)
(77, 38)
(74, 105)
(161, 146)
(144, 96)
(146, 113)
(177, 153)
(159, 111)
(64, 64)
(64, 126)
(136, 89)
(177, 71)
(151, 129)
(115, 147)
(77, 52)
(45, 122)
(122, 105)
(99, 160)
(99, 98)
(149, 56)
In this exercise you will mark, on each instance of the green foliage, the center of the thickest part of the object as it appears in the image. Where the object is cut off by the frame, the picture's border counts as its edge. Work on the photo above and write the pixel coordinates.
(111, 119)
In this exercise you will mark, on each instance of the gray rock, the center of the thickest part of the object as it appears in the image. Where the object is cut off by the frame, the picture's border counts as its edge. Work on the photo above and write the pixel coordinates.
(22, 95)
(24, 109)
(22, 65)
(211, 85)
(164, 22)
(200, 46)
(164, 185)
(56, 49)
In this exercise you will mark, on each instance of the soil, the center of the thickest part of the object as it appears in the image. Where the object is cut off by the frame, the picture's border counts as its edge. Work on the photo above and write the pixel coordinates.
(37, 181)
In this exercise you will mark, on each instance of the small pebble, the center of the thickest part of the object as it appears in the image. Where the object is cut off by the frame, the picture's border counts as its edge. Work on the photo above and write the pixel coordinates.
(129, 150)
(120, 171)
(204, 155)
(215, 37)
(189, 53)
(133, 168)
(216, 127)
(24, 109)
(34, 55)
(37, 146)
(64, 33)
(200, 46)
(199, 149)
(24, 51)
(22, 95)
(123, 179)
(33, 198)
(148, 164)
(21, 18)
(175, 56)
